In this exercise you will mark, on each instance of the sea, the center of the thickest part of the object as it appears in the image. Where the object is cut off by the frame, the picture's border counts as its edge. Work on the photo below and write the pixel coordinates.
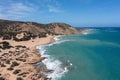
(93, 55)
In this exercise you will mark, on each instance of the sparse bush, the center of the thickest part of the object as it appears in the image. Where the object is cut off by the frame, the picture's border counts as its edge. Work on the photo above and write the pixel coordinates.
(42, 35)
(6, 45)
(19, 78)
(19, 59)
(27, 36)
(7, 37)
(16, 71)
(10, 52)
(7, 62)
(4, 54)
(3, 59)
(3, 65)
(20, 46)
(14, 64)
(10, 68)
(22, 74)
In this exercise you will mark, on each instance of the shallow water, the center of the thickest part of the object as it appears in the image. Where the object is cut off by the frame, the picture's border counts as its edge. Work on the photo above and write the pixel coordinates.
(92, 56)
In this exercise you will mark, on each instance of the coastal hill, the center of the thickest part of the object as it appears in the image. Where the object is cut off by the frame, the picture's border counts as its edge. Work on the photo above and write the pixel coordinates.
(18, 53)
(21, 31)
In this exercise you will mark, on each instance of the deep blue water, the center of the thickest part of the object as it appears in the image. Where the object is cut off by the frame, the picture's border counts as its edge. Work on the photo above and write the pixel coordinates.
(94, 56)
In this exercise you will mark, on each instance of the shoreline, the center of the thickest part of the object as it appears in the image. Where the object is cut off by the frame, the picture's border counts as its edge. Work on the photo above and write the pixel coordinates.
(27, 66)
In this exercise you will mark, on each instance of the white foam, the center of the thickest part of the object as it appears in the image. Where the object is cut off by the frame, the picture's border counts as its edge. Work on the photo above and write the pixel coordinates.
(87, 31)
(41, 49)
(56, 66)
(58, 40)
(71, 64)
(52, 63)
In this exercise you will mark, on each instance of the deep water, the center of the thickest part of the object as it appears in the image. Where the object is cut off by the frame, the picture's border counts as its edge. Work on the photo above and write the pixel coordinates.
(91, 56)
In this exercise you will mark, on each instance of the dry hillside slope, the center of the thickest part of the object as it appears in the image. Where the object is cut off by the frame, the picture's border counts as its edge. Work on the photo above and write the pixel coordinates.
(13, 29)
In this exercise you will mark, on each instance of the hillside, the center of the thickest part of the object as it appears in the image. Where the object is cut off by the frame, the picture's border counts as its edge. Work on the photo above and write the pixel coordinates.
(21, 31)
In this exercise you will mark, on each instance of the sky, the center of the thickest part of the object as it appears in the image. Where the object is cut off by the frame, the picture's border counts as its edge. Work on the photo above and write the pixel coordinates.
(78, 13)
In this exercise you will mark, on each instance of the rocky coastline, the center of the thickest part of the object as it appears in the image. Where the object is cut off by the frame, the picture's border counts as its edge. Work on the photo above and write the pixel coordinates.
(18, 54)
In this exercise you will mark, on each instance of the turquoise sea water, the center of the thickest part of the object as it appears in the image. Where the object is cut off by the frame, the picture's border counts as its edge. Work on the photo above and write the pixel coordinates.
(92, 56)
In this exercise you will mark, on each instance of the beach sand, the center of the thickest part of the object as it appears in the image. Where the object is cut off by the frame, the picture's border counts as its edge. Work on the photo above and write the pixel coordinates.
(17, 63)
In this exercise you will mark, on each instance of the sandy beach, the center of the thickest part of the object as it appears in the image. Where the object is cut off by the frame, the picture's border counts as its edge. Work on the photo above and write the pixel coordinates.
(17, 63)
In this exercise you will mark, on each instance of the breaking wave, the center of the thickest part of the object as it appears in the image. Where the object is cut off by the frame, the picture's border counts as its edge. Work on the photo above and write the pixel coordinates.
(52, 63)
(88, 31)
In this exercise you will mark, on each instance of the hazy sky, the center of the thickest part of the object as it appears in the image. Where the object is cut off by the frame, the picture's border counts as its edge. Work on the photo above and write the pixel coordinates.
(74, 12)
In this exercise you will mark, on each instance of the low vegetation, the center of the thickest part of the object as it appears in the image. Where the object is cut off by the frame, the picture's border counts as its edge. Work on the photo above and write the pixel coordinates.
(19, 78)
(16, 71)
(7, 61)
(10, 68)
(5, 45)
(3, 65)
(14, 64)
